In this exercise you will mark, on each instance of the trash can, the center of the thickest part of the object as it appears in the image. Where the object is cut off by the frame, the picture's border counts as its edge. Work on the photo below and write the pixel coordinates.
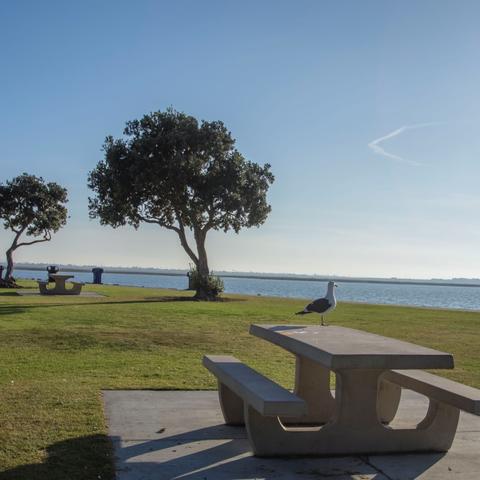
(52, 270)
(97, 275)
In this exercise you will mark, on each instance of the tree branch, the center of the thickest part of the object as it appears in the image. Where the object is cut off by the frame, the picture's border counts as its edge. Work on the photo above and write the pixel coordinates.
(46, 238)
(23, 244)
(158, 222)
(210, 222)
(18, 233)
(180, 231)
(183, 240)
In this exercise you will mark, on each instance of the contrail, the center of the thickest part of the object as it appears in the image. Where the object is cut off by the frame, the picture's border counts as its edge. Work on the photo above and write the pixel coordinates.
(375, 144)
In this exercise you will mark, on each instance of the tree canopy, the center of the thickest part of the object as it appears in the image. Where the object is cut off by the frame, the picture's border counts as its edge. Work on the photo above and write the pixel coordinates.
(30, 205)
(171, 170)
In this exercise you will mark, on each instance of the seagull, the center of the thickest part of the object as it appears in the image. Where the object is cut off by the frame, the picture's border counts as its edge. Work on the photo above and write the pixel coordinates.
(322, 305)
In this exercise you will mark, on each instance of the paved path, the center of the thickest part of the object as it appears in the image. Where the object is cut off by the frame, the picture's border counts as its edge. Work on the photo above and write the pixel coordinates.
(160, 435)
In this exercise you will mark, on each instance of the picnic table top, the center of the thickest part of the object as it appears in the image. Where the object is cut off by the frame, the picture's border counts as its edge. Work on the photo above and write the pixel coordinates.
(340, 347)
(60, 276)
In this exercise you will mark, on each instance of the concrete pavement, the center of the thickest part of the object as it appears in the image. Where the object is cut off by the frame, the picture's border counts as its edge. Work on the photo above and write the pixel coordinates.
(160, 435)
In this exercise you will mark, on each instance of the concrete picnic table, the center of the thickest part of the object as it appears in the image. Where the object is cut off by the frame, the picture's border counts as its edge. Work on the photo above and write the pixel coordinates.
(370, 372)
(354, 420)
(60, 287)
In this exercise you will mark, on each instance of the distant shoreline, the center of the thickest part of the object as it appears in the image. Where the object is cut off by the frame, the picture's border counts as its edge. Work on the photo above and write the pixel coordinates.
(265, 277)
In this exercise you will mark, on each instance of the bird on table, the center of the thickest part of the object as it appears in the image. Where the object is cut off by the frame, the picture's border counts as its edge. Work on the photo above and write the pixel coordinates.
(322, 305)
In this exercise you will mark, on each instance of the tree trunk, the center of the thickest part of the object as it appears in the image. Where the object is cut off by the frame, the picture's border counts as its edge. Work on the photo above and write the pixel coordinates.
(8, 279)
(202, 292)
(9, 271)
(203, 289)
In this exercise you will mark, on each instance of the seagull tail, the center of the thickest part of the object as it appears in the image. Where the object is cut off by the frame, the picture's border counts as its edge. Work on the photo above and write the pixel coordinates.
(303, 312)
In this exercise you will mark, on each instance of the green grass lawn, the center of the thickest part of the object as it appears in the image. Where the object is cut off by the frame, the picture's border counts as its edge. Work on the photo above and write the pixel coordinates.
(57, 354)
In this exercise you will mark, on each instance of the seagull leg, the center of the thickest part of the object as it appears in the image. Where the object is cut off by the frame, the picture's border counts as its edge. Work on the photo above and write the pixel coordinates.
(323, 323)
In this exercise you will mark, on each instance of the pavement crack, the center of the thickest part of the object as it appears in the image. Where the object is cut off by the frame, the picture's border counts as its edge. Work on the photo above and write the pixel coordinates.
(321, 474)
(366, 459)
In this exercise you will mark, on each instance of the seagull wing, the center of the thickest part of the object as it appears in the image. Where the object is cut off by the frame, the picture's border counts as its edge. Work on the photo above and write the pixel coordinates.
(302, 312)
(320, 305)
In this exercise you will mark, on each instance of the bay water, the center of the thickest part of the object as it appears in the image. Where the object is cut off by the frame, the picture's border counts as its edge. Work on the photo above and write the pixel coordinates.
(431, 295)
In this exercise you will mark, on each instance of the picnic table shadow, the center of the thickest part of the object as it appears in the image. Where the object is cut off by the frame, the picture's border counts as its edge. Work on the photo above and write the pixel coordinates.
(232, 459)
(92, 457)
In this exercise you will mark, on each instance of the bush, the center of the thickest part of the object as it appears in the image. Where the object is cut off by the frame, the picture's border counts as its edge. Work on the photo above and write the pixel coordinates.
(212, 285)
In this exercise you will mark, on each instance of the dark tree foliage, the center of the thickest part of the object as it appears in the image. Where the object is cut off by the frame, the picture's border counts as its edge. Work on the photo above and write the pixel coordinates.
(184, 175)
(30, 206)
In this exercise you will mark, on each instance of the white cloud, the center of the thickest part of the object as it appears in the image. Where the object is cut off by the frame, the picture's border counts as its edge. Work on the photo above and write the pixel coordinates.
(378, 149)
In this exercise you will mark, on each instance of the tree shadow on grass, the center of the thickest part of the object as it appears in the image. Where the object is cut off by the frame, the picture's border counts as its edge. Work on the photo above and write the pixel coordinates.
(82, 458)
(192, 299)
(10, 309)
(9, 294)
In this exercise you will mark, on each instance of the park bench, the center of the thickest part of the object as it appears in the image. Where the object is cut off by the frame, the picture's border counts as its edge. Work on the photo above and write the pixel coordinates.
(242, 387)
(439, 390)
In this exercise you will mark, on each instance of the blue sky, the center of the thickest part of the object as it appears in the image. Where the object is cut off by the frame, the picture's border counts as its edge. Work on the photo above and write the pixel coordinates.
(320, 90)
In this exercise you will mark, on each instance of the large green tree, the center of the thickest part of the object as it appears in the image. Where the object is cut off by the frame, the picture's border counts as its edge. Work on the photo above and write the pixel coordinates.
(30, 206)
(187, 176)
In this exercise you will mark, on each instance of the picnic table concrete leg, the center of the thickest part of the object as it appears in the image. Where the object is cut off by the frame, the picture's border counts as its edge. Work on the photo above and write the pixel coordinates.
(388, 400)
(356, 395)
(358, 411)
(60, 285)
(439, 425)
(356, 427)
(231, 404)
(267, 436)
(312, 384)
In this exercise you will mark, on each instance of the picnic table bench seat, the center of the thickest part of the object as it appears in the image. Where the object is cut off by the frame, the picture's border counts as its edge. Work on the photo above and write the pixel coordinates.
(42, 285)
(76, 288)
(437, 388)
(240, 386)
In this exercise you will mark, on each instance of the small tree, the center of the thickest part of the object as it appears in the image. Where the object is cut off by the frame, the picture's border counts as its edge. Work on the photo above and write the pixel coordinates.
(30, 205)
(183, 175)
